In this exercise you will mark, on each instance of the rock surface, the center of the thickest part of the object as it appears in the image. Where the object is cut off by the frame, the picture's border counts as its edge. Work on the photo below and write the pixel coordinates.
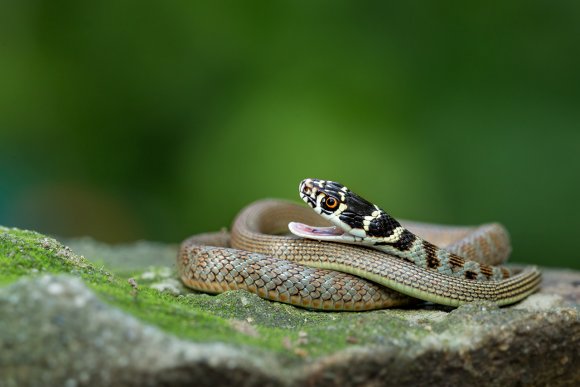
(66, 321)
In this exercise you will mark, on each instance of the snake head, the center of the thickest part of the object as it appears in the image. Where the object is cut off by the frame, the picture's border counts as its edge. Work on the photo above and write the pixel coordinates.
(350, 214)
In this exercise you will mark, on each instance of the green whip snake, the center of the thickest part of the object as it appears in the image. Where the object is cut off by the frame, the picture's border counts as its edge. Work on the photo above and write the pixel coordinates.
(377, 262)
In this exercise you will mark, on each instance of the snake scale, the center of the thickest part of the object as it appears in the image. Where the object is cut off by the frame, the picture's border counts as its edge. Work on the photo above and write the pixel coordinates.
(377, 262)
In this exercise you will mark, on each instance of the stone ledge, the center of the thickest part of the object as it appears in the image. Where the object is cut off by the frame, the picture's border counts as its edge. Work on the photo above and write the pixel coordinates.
(91, 327)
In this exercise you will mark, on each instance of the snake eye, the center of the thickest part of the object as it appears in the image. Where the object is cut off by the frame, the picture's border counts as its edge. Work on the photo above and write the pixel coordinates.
(331, 203)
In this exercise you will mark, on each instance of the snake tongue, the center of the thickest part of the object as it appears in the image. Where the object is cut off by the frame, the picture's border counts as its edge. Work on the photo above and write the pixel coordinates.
(319, 233)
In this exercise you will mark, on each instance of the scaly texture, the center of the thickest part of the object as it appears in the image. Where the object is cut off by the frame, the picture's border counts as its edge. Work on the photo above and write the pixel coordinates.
(273, 266)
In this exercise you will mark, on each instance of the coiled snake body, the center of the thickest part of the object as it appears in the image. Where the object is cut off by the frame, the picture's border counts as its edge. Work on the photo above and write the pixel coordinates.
(318, 273)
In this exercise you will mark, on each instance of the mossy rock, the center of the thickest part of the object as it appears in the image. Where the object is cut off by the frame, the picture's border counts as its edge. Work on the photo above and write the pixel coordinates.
(120, 316)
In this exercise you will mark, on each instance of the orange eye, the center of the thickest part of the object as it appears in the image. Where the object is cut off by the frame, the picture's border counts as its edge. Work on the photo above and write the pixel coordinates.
(331, 202)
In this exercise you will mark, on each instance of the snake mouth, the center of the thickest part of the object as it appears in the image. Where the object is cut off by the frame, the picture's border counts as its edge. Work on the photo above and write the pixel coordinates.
(331, 233)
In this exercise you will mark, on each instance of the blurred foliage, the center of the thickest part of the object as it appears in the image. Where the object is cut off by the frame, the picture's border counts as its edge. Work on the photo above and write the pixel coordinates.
(129, 120)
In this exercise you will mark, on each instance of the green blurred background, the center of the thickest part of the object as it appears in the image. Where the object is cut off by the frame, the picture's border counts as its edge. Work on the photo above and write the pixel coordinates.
(130, 120)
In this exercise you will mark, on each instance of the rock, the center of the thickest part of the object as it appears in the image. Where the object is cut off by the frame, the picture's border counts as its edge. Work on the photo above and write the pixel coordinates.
(66, 321)
(55, 331)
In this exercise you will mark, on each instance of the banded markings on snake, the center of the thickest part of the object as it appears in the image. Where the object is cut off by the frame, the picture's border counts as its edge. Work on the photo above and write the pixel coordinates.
(357, 221)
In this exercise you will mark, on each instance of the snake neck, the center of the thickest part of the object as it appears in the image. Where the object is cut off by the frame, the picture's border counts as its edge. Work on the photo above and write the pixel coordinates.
(386, 234)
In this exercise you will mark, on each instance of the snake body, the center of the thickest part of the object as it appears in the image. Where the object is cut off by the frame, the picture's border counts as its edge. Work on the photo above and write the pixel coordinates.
(258, 257)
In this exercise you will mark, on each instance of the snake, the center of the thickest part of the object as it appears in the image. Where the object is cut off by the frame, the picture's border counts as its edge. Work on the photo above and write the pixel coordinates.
(346, 254)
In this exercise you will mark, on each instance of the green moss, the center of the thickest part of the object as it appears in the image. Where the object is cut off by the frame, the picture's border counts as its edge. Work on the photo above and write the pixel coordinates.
(25, 252)
(238, 318)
